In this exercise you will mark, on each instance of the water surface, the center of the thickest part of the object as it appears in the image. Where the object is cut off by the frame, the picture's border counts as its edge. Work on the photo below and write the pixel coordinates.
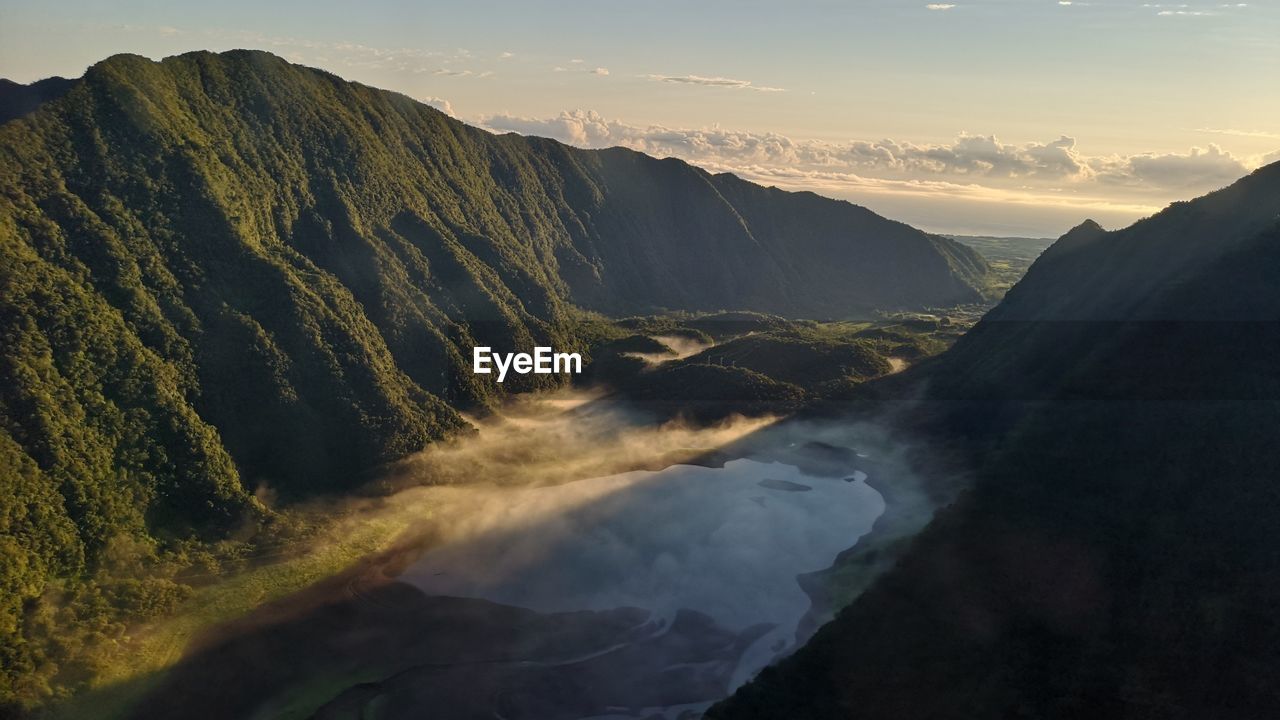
(725, 542)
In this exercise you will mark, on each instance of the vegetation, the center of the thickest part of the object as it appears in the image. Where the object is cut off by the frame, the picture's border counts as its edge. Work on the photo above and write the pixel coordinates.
(758, 364)
(1009, 257)
(17, 99)
(1116, 556)
(228, 282)
(112, 670)
(712, 392)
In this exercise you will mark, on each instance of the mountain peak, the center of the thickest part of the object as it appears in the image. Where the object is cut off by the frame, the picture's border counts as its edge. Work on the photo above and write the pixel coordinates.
(1088, 226)
(203, 192)
(1086, 233)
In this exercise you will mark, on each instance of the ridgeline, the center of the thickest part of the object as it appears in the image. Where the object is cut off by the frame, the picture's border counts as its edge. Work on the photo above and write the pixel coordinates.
(223, 274)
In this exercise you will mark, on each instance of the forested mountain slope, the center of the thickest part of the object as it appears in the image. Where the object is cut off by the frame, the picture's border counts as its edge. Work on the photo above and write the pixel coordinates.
(225, 273)
(1118, 554)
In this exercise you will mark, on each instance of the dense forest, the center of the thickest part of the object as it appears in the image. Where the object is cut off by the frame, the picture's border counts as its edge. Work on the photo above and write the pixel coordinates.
(226, 278)
(1117, 556)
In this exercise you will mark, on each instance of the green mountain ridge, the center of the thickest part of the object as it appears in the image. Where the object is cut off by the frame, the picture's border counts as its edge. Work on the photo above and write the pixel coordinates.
(223, 274)
(1116, 555)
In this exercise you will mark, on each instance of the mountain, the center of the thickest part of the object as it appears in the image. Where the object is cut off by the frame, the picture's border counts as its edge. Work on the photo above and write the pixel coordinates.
(224, 274)
(1010, 257)
(1083, 234)
(17, 99)
(1117, 554)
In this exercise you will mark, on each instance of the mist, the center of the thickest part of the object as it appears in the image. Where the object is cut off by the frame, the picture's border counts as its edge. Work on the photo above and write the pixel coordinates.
(551, 438)
(576, 553)
(569, 501)
(681, 346)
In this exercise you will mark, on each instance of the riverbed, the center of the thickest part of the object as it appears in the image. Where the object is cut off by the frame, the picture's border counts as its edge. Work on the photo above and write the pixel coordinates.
(574, 560)
(727, 542)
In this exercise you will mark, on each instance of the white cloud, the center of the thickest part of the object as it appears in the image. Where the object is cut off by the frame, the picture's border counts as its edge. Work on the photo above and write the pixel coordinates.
(1241, 133)
(579, 68)
(1199, 169)
(1189, 10)
(842, 183)
(980, 163)
(722, 82)
(440, 104)
(939, 6)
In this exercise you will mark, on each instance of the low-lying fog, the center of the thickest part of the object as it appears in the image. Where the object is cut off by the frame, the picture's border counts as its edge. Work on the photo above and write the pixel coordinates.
(727, 542)
(681, 347)
(566, 503)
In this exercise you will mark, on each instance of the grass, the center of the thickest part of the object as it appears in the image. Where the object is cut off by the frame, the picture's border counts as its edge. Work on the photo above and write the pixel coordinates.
(305, 700)
(142, 659)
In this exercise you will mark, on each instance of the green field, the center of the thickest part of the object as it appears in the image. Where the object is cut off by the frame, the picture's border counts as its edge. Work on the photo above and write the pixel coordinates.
(1010, 257)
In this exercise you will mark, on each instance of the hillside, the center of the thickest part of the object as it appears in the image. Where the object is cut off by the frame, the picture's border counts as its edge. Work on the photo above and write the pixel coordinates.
(1116, 557)
(17, 99)
(225, 275)
(1010, 257)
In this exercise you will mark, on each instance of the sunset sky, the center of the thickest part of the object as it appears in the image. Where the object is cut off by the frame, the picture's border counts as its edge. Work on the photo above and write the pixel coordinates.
(992, 117)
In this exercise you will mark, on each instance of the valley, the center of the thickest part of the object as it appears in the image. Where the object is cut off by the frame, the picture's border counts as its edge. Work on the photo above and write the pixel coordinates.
(685, 571)
(547, 511)
(319, 402)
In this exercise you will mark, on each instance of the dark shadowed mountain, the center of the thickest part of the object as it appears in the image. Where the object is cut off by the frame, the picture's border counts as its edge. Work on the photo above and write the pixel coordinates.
(221, 273)
(1118, 555)
(17, 99)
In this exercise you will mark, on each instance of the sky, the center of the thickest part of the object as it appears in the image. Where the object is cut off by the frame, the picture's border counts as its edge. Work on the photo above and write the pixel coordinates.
(1000, 117)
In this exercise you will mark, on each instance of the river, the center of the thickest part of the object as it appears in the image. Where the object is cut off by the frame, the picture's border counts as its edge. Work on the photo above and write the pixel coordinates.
(574, 560)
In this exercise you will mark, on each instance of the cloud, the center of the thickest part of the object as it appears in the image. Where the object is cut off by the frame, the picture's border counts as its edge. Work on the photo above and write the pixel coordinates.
(1241, 133)
(969, 155)
(845, 183)
(722, 82)
(1187, 10)
(974, 166)
(939, 6)
(582, 128)
(579, 68)
(440, 104)
(974, 155)
(1198, 169)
